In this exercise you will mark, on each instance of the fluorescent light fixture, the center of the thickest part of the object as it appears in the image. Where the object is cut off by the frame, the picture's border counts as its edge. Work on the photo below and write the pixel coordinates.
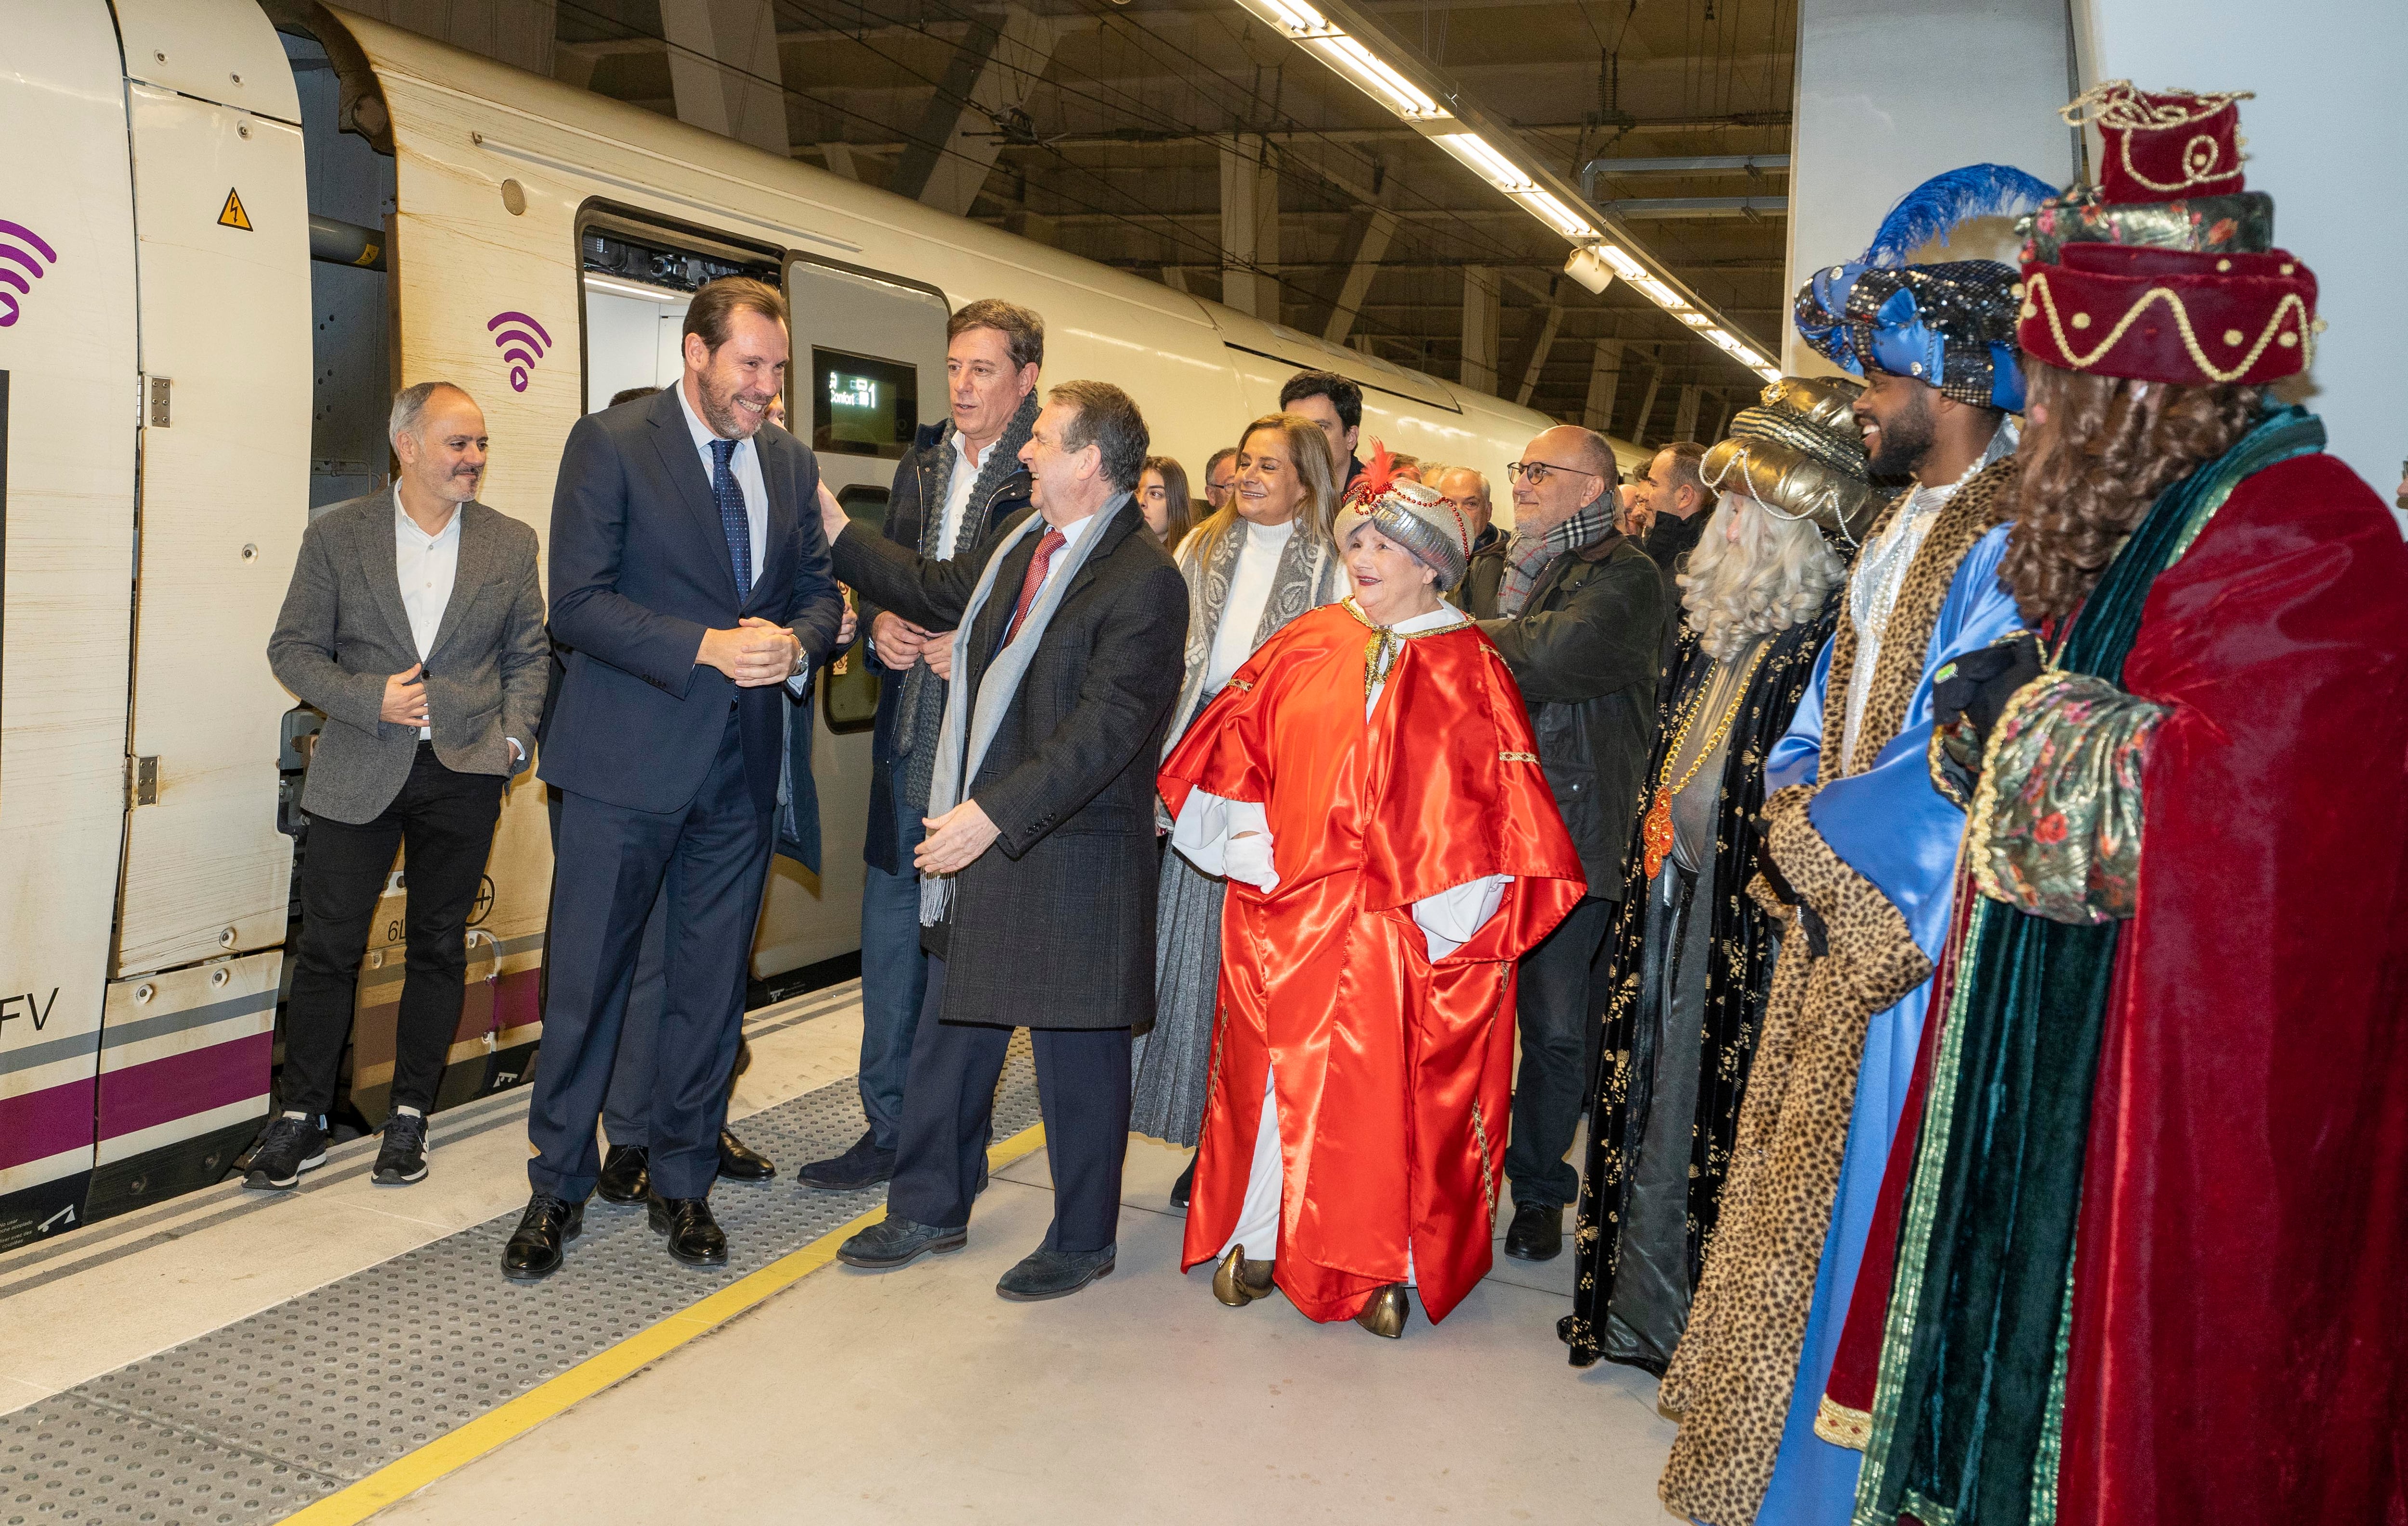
(1372, 75)
(1768, 373)
(1484, 160)
(1660, 293)
(628, 288)
(1697, 320)
(1293, 16)
(1555, 214)
(1624, 265)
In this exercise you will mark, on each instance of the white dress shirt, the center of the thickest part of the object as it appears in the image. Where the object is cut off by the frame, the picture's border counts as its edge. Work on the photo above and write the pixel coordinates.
(1071, 534)
(957, 491)
(745, 464)
(428, 566)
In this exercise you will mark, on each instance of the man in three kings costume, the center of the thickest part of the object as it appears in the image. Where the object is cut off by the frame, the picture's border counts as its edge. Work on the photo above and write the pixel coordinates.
(1865, 851)
(2147, 1240)
(1690, 957)
(1368, 783)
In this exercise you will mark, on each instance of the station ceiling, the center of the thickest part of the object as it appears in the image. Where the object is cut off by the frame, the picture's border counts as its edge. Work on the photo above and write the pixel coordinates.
(1114, 152)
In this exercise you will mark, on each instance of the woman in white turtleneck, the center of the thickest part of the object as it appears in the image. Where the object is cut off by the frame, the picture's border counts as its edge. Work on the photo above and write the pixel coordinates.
(1251, 568)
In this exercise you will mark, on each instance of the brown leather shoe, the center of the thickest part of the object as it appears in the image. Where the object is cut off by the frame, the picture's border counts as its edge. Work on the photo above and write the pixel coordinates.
(1385, 1314)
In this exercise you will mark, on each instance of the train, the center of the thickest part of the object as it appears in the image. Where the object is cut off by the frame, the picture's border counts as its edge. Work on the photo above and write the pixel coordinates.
(229, 231)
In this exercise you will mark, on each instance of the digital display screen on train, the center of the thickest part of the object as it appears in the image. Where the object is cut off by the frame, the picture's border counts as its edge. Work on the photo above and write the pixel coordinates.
(862, 405)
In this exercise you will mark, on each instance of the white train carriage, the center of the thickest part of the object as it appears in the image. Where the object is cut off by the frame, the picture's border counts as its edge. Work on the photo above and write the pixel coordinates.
(181, 382)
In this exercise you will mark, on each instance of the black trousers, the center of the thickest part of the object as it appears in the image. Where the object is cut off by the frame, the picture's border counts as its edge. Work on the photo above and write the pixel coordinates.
(713, 856)
(444, 821)
(1560, 1007)
(1083, 1090)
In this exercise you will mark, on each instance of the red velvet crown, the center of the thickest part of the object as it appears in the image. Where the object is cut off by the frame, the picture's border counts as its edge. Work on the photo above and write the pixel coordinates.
(2194, 317)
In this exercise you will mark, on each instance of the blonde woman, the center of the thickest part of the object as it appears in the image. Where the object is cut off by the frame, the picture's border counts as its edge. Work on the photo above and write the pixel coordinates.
(1252, 566)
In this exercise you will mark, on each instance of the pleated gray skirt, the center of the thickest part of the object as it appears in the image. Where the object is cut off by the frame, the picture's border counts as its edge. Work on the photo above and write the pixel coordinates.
(1166, 1091)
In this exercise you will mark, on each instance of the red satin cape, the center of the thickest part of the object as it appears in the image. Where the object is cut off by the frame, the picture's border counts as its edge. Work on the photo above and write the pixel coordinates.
(1394, 1075)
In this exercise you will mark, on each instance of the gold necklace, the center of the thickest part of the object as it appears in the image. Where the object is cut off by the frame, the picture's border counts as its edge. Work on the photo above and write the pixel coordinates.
(1380, 652)
(1655, 834)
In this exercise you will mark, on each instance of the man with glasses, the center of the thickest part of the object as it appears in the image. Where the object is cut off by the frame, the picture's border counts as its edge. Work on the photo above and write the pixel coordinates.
(1579, 619)
(1221, 477)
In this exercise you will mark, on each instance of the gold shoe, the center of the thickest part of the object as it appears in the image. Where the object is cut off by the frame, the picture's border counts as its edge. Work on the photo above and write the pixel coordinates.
(1239, 1282)
(1386, 1313)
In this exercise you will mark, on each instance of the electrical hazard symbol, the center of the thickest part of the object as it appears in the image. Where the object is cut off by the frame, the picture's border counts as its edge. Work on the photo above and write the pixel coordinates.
(234, 216)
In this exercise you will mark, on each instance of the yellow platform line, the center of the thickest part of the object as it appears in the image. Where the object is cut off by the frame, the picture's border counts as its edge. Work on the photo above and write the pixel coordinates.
(497, 1426)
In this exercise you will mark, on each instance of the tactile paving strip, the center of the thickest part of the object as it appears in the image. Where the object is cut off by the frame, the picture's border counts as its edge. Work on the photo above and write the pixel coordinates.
(251, 1422)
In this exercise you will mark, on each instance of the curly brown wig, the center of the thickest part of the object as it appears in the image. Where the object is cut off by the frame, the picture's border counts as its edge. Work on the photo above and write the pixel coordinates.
(2101, 450)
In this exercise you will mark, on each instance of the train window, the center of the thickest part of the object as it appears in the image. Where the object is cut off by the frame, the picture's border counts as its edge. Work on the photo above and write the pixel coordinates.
(862, 405)
(849, 695)
(637, 286)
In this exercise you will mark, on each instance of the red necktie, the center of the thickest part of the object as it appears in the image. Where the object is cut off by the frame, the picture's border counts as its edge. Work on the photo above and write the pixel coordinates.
(1051, 542)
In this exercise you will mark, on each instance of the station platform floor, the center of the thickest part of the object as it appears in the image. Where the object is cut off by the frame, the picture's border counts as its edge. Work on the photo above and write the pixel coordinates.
(347, 1351)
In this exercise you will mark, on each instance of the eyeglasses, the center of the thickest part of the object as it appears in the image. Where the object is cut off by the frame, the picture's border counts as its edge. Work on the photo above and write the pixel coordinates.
(1538, 471)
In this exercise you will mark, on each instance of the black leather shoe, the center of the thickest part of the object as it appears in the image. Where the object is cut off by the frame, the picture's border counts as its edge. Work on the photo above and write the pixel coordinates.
(626, 1174)
(864, 1165)
(1181, 1189)
(1055, 1274)
(695, 1237)
(894, 1242)
(740, 1162)
(1537, 1232)
(533, 1252)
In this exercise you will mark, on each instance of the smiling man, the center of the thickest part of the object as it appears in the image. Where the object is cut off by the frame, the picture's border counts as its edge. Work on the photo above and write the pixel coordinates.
(427, 719)
(961, 483)
(689, 583)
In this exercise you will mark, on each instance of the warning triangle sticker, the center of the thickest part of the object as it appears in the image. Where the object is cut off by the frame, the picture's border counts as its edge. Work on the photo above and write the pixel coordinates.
(234, 216)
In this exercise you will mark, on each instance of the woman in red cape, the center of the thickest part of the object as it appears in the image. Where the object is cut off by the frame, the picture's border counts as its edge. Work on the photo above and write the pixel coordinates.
(1370, 784)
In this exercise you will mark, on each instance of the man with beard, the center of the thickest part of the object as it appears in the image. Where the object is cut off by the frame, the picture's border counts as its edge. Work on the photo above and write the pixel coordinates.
(690, 580)
(1862, 848)
(1690, 957)
(960, 485)
(2148, 1267)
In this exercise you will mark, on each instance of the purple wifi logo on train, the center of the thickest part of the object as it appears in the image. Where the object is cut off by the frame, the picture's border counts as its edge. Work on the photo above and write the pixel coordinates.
(521, 343)
(22, 262)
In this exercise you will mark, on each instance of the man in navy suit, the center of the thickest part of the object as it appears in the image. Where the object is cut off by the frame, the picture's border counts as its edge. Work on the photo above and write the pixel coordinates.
(690, 580)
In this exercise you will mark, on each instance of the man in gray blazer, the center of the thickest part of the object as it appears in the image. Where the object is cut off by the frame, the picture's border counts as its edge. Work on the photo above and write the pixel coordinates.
(415, 622)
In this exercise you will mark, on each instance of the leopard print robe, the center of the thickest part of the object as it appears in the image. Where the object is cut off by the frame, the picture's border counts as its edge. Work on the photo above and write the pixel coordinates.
(1731, 1380)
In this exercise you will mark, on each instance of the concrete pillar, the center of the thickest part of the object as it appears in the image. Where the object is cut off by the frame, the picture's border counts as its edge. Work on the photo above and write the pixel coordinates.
(1480, 318)
(1890, 93)
(994, 70)
(2324, 141)
(1546, 322)
(1685, 414)
(1250, 225)
(1368, 234)
(1647, 402)
(1604, 376)
(723, 69)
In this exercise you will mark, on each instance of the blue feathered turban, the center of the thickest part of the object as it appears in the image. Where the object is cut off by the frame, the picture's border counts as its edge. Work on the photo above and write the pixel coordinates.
(1950, 325)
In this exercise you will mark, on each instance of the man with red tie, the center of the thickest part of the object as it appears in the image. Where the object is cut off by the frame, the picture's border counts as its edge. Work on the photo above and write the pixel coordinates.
(1039, 867)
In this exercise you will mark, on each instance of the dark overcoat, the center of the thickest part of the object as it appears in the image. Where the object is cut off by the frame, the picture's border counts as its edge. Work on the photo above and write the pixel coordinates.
(1054, 926)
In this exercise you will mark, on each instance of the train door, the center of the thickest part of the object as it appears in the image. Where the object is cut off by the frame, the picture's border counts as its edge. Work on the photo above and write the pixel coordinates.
(868, 370)
(220, 220)
(67, 394)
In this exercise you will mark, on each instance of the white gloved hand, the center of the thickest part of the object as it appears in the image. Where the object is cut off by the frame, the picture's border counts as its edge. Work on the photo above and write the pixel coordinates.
(1250, 860)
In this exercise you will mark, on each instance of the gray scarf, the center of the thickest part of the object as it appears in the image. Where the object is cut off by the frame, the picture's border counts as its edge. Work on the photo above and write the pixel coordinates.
(920, 708)
(1528, 556)
(1308, 576)
(971, 720)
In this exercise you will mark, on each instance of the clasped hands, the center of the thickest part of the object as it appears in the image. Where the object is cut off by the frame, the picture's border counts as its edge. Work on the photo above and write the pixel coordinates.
(756, 653)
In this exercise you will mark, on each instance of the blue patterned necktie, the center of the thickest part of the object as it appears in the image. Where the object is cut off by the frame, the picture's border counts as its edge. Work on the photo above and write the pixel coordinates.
(733, 522)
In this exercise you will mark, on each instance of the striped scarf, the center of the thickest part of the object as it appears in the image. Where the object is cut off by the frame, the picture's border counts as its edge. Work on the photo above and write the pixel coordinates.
(1528, 556)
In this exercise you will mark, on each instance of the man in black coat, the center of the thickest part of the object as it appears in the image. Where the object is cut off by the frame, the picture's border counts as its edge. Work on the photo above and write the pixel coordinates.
(689, 581)
(1674, 504)
(1581, 626)
(1039, 863)
(960, 483)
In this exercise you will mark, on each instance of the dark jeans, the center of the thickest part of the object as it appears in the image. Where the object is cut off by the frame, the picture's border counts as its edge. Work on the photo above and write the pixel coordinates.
(1082, 1090)
(445, 820)
(713, 856)
(893, 972)
(1560, 1008)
